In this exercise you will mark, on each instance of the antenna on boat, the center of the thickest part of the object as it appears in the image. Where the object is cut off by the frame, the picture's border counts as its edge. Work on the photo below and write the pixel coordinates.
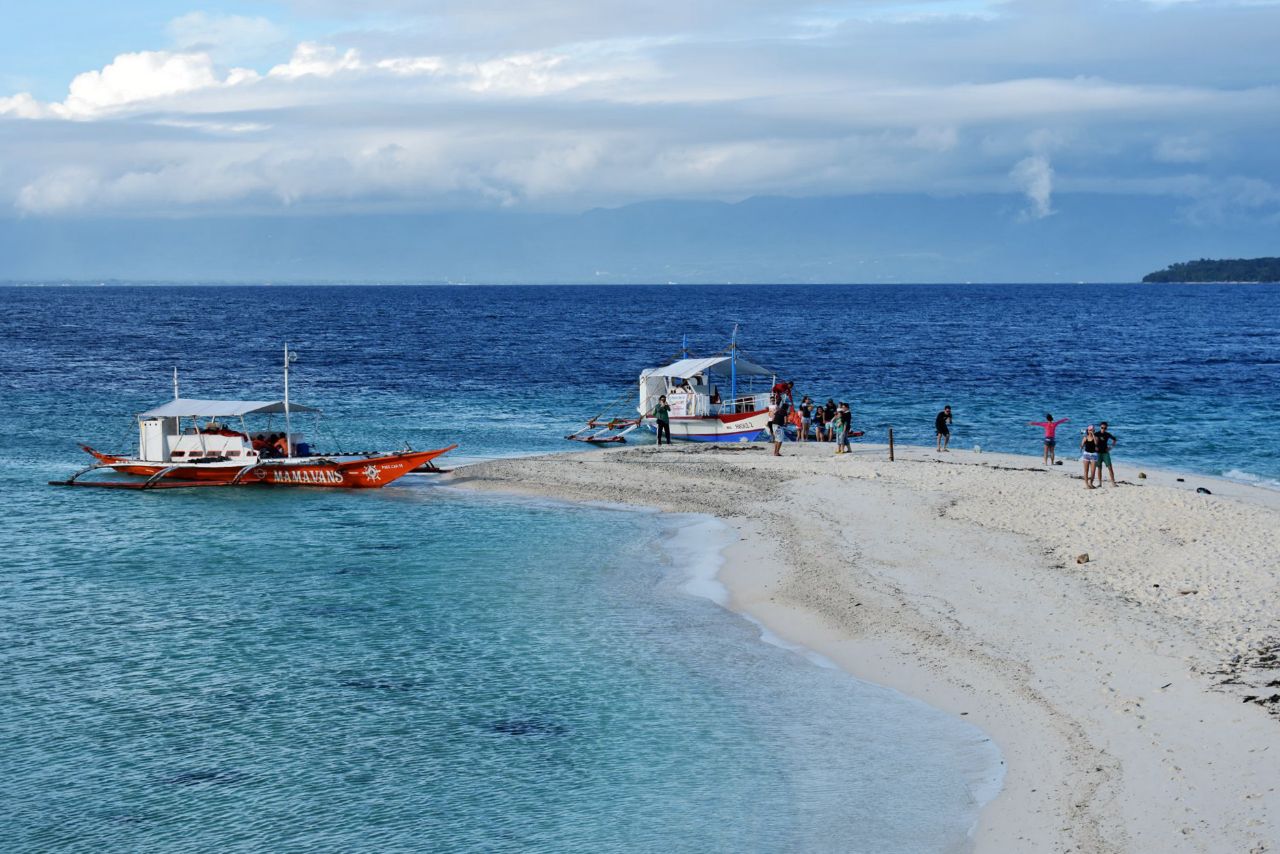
(175, 382)
(288, 439)
(684, 346)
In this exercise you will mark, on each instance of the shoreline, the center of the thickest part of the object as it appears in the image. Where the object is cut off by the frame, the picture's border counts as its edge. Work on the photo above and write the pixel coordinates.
(981, 788)
(1103, 690)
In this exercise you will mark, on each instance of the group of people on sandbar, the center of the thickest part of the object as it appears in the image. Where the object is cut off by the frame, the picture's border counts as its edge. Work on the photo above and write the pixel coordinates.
(1095, 444)
(1095, 448)
(813, 422)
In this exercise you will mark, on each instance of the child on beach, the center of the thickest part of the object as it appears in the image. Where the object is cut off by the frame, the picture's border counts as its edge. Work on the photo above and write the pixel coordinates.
(1106, 441)
(845, 420)
(1089, 455)
(838, 434)
(1050, 433)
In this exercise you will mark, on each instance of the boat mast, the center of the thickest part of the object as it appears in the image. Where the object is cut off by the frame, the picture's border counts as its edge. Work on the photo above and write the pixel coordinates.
(733, 369)
(288, 439)
(178, 419)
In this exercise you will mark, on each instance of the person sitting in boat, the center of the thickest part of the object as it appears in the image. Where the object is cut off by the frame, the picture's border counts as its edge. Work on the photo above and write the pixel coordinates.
(260, 444)
(684, 387)
(715, 395)
(281, 445)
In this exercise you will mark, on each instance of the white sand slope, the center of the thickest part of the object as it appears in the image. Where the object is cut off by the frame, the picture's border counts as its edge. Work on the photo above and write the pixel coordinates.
(1116, 688)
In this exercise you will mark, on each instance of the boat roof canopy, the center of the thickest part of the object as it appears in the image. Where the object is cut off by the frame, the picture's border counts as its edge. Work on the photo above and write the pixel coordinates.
(186, 407)
(719, 364)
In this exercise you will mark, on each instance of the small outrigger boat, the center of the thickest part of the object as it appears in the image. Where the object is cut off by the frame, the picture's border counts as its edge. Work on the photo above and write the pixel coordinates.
(176, 450)
(699, 412)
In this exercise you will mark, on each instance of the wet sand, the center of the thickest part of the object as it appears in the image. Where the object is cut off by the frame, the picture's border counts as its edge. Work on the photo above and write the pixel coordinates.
(1131, 694)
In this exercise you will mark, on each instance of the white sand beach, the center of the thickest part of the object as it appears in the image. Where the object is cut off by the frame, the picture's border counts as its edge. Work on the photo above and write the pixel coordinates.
(1117, 689)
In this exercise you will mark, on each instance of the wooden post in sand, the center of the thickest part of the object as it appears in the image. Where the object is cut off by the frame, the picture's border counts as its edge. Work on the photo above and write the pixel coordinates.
(890, 444)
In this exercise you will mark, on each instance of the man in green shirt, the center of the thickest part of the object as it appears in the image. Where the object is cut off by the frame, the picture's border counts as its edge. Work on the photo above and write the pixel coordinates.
(662, 414)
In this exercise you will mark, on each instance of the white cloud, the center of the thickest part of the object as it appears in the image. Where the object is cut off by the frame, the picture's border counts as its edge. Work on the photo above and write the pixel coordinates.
(316, 60)
(229, 39)
(142, 76)
(23, 106)
(716, 104)
(1034, 176)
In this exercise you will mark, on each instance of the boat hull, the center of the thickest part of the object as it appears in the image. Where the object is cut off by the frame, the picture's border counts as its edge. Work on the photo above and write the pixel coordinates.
(737, 427)
(365, 473)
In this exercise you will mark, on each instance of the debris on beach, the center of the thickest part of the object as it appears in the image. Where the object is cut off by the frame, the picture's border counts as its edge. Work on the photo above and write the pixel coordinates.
(1082, 558)
(1203, 491)
(1142, 475)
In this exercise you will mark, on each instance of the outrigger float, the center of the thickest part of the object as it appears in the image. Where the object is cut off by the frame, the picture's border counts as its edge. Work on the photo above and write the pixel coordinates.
(699, 413)
(173, 454)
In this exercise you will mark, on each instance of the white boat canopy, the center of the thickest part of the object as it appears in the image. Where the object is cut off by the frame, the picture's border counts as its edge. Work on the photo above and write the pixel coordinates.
(186, 407)
(719, 364)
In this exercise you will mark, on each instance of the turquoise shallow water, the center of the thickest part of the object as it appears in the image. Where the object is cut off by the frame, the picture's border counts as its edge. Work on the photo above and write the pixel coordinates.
(422, 669)
(418, 669)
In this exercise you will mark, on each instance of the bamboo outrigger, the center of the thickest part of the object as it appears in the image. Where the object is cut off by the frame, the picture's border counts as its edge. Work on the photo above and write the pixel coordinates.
(173, 453)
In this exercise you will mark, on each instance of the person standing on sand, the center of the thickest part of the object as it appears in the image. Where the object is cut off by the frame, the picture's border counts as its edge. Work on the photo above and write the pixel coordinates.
(819, 424)
(942, 426)
(1050, 433)
(845, 418)
(662, 416)
(806, 415)
(1089, 455)
(1106, 441)
(778, 426)
(829, 416)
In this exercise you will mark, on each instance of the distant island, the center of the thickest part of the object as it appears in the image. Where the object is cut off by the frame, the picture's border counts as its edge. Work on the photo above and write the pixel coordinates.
(1227, 270)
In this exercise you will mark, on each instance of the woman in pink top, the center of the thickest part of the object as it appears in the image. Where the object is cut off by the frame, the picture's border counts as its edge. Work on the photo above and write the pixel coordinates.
(1050, 430)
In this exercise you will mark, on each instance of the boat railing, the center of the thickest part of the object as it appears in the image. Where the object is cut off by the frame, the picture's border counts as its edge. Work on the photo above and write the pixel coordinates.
(744, 403)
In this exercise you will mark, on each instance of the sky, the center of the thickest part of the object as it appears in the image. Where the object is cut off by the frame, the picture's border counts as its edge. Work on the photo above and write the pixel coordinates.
(148, 109)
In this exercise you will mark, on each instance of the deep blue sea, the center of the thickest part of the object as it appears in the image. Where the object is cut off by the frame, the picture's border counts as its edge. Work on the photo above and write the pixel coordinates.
(417, 668)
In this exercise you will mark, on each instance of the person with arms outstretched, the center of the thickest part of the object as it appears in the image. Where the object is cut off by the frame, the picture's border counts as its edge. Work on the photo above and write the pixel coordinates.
(1050, 436)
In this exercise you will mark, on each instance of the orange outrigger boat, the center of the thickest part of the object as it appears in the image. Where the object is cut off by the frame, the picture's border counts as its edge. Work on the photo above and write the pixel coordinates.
(171, 454)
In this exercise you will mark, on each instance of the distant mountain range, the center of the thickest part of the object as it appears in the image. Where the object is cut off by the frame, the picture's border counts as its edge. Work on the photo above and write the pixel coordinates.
(1229, 270)
(873, 238)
